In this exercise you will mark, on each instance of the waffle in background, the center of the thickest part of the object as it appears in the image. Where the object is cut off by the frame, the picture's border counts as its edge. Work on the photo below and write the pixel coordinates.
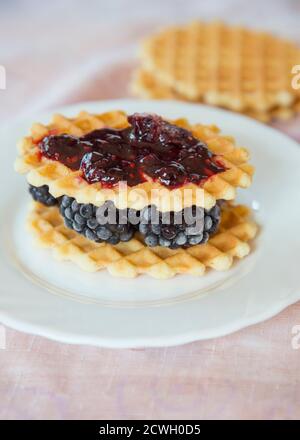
(231, 67)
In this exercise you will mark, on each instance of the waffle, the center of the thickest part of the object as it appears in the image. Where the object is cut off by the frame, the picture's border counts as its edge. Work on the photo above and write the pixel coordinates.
(63, 181)
(239, 69)
(146, 86)
(133, 258)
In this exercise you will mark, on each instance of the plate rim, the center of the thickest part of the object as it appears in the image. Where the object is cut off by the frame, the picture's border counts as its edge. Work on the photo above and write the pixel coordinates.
(63, 336)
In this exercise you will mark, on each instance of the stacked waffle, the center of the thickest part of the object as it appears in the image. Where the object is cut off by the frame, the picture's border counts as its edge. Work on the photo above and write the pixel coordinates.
(72, 194)
(231, 67)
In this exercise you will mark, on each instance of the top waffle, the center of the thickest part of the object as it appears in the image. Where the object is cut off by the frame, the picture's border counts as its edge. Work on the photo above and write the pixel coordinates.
(232, 67)
(61, 180)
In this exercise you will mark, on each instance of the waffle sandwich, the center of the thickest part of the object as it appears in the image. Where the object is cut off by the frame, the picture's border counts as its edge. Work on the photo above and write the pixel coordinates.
(137, 194)
(231, 67)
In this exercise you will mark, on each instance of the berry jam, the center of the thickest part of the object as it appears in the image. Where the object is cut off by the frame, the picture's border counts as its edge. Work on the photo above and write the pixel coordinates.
(149, 148)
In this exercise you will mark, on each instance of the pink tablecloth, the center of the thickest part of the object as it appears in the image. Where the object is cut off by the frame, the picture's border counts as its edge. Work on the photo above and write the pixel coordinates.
(53, 56)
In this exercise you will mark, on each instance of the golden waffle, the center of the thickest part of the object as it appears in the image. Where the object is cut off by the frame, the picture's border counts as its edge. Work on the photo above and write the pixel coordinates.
(145, 85)
(133, 258)
(232, 67)
(63, 181)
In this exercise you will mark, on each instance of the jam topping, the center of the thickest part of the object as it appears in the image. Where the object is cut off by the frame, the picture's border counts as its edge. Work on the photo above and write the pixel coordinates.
(149, 148)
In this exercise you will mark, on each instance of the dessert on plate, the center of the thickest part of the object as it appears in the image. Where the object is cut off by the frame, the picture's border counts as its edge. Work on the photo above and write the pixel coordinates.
(137, 193)
(232, 67)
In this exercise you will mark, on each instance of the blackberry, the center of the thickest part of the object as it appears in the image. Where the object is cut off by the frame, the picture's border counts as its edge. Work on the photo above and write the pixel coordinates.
(187, 228)
(91, 222)
(41, 194)
(173, 230)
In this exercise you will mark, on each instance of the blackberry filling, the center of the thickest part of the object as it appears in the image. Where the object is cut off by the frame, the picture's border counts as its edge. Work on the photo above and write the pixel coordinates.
(187, 228)
(148, 147)
(41, 194)
(90, 221)
(183, 229)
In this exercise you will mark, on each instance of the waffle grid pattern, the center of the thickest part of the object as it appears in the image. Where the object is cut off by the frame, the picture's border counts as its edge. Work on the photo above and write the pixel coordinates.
(146, 86)
(231, 67)
(133, 258)
(63, 181)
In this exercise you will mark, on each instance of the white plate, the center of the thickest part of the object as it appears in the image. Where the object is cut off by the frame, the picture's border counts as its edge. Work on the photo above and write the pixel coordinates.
(60, 302)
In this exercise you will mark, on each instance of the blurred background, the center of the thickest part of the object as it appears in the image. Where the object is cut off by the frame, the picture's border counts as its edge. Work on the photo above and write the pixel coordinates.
(67, 51)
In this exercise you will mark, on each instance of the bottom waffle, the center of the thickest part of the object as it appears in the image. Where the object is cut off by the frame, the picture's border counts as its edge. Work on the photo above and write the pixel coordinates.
(146, 86)
(129, 259)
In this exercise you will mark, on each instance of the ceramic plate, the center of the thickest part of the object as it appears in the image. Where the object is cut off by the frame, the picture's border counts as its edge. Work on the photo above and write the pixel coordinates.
(54, 299)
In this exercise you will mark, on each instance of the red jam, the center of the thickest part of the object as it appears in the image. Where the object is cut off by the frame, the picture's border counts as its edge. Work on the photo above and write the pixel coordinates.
(149, 147)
